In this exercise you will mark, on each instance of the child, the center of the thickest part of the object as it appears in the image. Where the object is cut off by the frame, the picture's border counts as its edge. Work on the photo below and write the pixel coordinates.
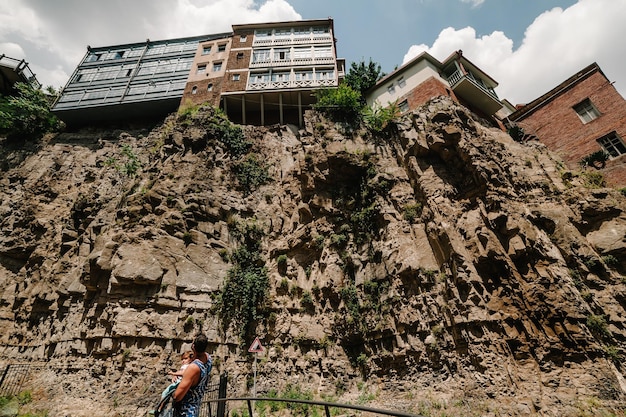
(186, 359)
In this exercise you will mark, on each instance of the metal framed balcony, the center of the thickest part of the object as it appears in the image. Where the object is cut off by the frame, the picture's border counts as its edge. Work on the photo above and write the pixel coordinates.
(472, 90)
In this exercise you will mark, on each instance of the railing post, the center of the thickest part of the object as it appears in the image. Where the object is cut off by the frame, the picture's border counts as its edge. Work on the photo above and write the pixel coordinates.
(221, 406)
(250, 408)
(4, 374)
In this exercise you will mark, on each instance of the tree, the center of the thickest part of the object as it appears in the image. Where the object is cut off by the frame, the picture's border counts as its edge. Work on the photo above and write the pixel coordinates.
(361, 77)
(341, 103)
(27, 113)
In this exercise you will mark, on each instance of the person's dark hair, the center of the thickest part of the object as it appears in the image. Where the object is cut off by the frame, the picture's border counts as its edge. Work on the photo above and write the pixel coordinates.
(200, 342)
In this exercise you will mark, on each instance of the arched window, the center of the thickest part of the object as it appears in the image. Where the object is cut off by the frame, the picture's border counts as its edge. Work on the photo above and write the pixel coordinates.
(209, 87)
(194, 90)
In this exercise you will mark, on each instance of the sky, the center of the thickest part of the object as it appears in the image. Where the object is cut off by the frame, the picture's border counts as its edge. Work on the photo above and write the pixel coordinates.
(527, 46)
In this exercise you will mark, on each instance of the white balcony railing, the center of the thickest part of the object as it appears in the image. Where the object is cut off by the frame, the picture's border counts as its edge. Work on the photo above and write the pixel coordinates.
(293, 39)
(274, 85)
(292, 62)
(458, 76)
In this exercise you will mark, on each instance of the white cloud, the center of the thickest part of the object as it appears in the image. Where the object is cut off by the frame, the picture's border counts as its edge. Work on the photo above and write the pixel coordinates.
(56, 33)
(12, 50)
(474, 3)
(556, 45)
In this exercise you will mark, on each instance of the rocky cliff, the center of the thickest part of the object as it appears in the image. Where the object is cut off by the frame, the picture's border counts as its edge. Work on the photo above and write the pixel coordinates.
(439, 268)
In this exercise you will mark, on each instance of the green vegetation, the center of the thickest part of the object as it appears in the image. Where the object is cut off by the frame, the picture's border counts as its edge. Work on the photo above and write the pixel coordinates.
(27, 113)
(340, 104)
(251, 173)
(597, 324)
(291, 392)
(245, 291)
(412, 212)
(593, 179)
(130, 162)
(281, 260)
(610, 261)
(363, 76)
(307, 300)
(187, 238)
(11, 405)
(623, 191)
(597, 159)
(517, 133)
(612, 353)
(350, 298)
(284, 285)
(380, 119)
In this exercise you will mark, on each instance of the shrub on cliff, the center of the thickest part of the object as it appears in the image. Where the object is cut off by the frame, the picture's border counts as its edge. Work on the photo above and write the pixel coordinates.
(342, 103)
(27, 113)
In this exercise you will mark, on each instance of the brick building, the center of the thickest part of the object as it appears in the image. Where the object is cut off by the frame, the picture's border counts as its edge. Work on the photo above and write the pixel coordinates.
(581, 116)
(424, 77)
(258, 74)
(266, 73)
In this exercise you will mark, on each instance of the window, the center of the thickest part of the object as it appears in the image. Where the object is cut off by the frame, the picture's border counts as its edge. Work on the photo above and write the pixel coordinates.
(260, 77)
(235, 77)
(391, 89)
(304, 75)
(119, 54)
(282, 32)
(404, 106)
(613, 144)
(209, 87)
(194, 90)
(281, 54)
(217, 66)
(221, 48)
(93, 57)
(206, 49)
(323, 52)
(302, 53)
(401, 82)
(325, 74)
(201, 69)
(261, 55)
(242, 38)
(586, 111)
(239, 55)
(280, 76)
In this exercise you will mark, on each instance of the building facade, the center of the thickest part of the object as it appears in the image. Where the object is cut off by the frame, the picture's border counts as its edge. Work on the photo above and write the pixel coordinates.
(15, 70)
(138, 80)
(268, 72)
(581, 116)
(425, 77)
(258, 74)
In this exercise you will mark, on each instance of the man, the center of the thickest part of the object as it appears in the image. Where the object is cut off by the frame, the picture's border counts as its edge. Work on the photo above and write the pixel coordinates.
(190, 390)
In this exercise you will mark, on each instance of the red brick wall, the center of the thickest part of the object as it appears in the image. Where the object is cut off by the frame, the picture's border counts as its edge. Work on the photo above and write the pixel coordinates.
(248, 33)
(425, 91)
(202, 94)
(558, 126)
(232, 85)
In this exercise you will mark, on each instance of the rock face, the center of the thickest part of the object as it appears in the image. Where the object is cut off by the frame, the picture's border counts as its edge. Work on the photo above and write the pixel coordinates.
(440, 267)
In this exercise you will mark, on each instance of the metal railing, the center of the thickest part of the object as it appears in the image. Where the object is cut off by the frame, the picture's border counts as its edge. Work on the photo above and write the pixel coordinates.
(12, 378)
(458, 76)
(214, 392)
(20, 67)
(326, 405)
